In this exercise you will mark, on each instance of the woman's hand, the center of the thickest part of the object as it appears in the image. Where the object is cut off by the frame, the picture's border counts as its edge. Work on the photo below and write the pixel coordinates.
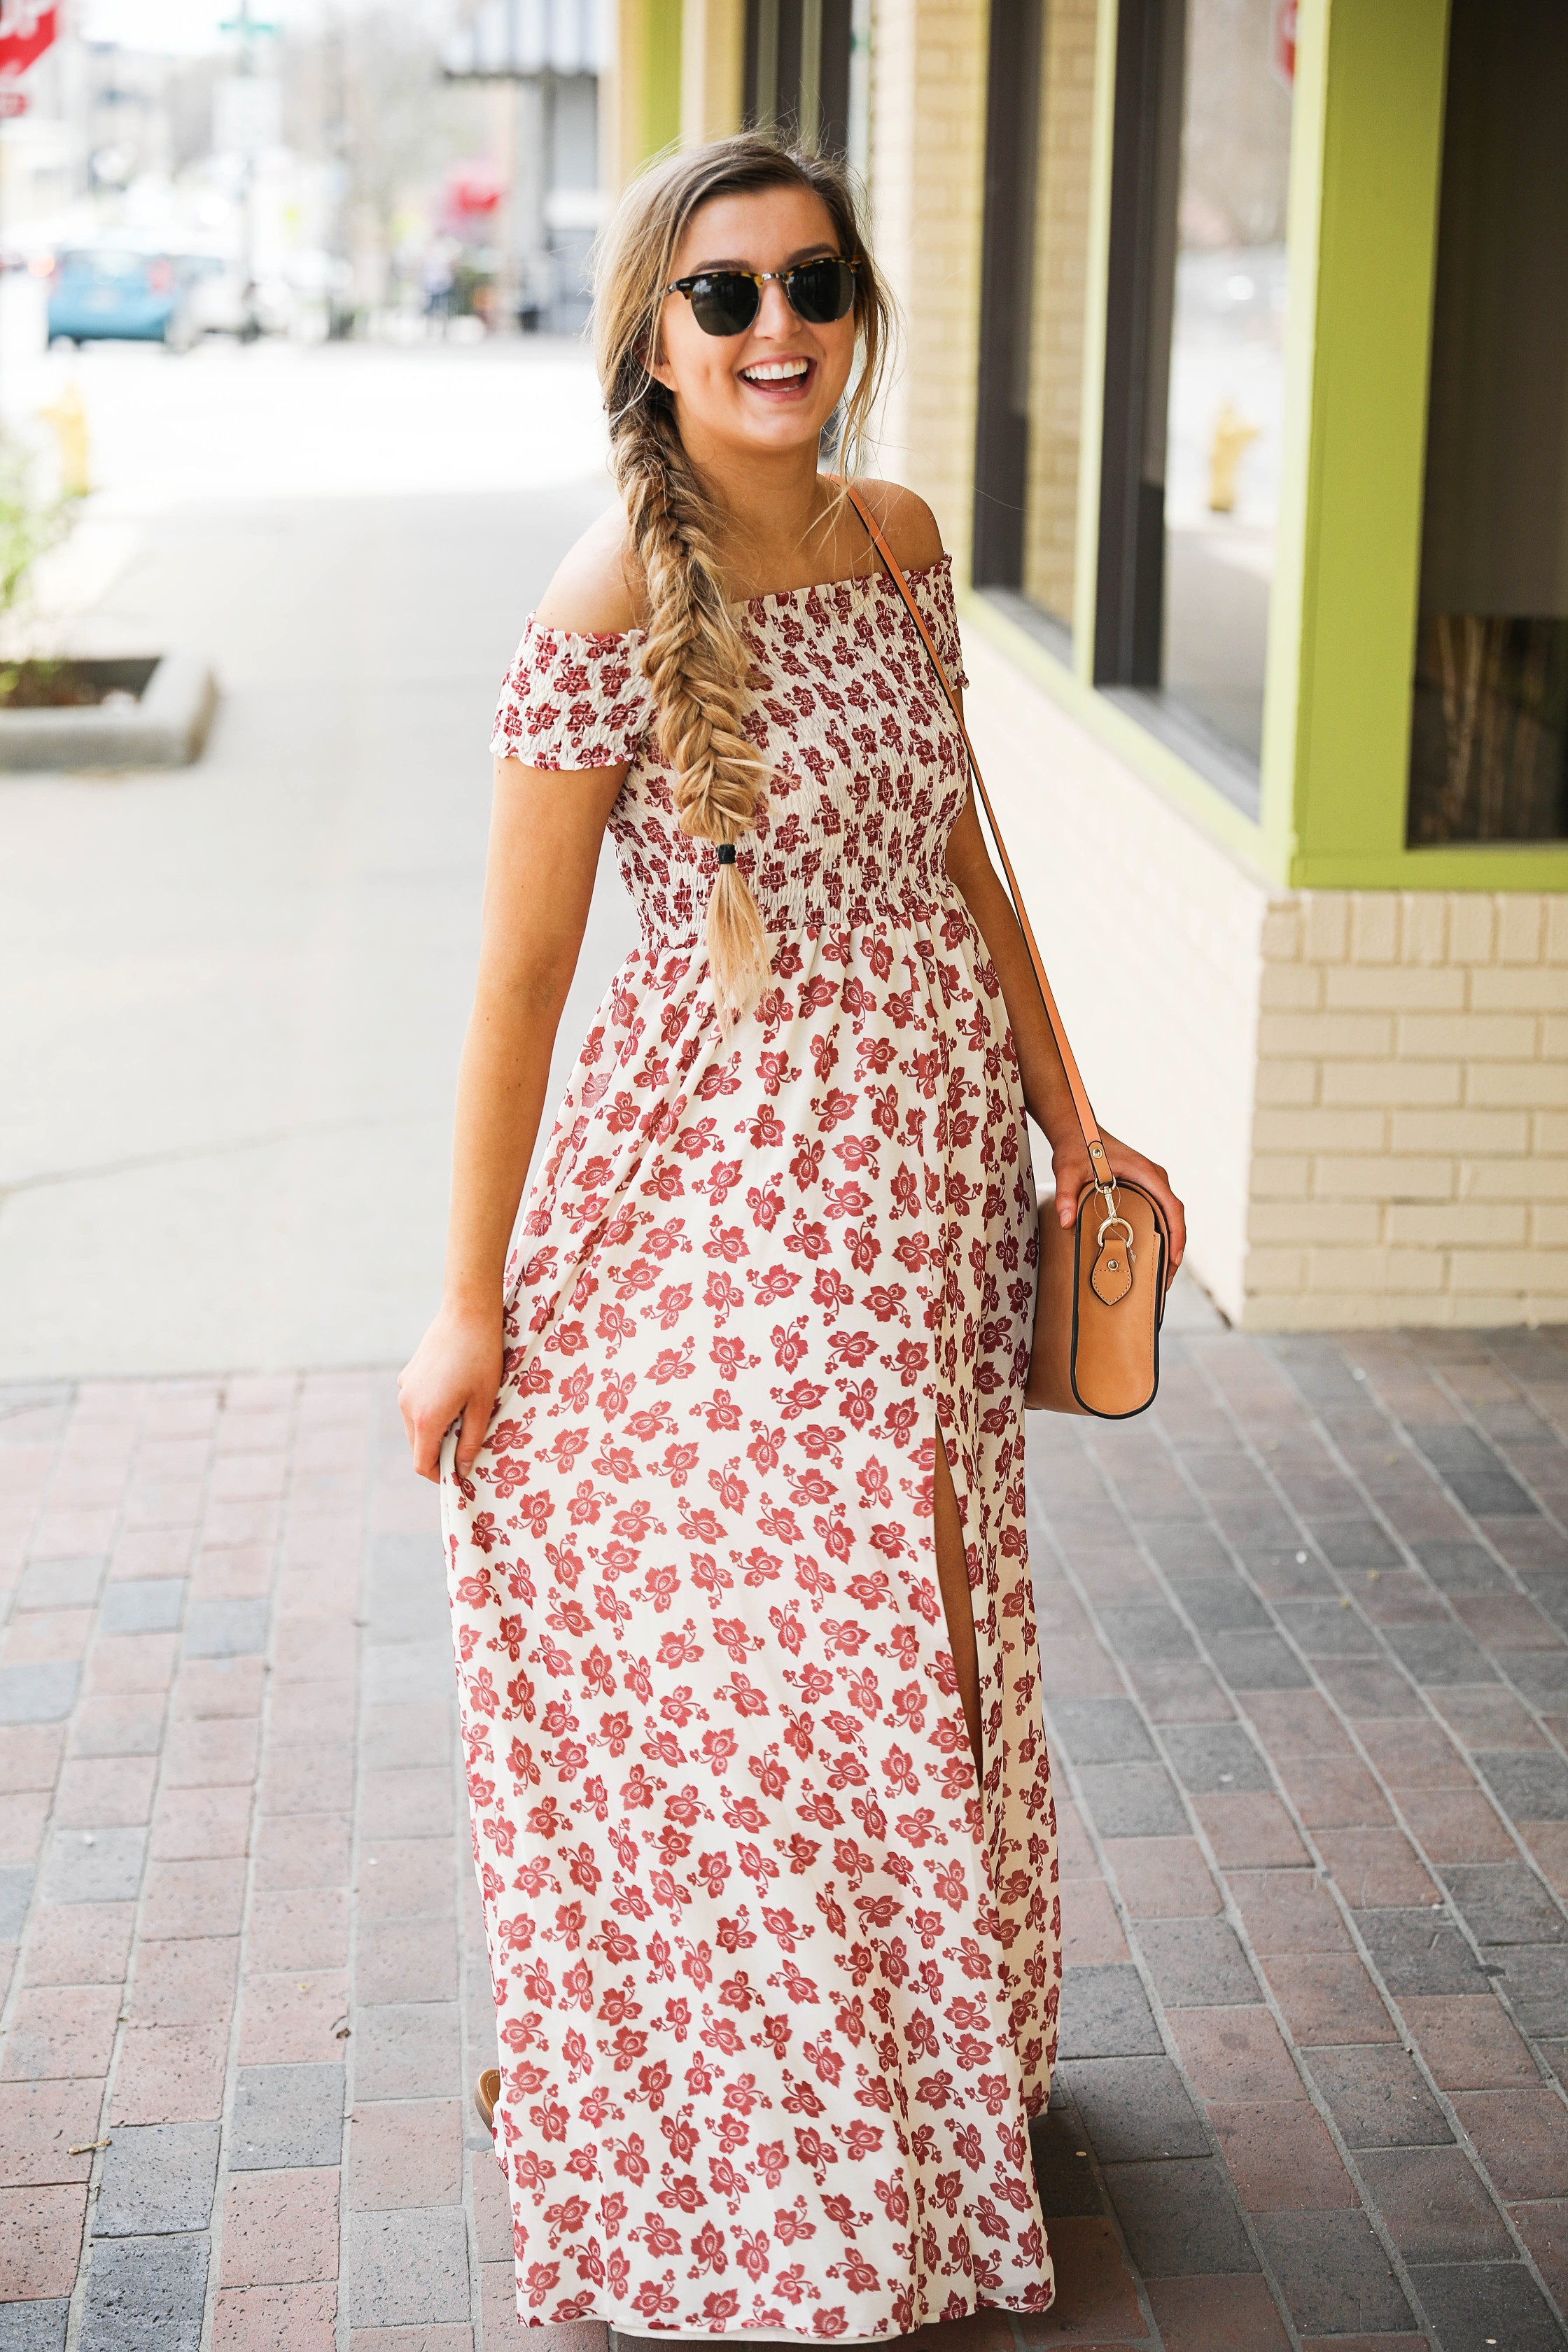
(545, 831)
(454, 1369)
(1069, 1162)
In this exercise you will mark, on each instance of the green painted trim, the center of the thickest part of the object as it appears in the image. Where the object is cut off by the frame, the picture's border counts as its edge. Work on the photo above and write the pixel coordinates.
(1491, 865)
(1097, 295)
(1120, 731)
(660, 125)
(1292, 540)
(1469, 866)
(1377, 235)
(1365, 169)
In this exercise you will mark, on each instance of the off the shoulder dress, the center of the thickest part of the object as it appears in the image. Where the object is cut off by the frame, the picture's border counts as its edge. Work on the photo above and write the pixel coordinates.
(777, 1985)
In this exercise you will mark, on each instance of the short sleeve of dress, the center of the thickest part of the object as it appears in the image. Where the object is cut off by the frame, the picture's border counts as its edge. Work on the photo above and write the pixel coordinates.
(933, 590)
(572, 701)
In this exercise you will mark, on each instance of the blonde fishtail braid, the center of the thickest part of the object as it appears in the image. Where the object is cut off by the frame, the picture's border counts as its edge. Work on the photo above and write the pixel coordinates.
(697, 662)
(694, 655)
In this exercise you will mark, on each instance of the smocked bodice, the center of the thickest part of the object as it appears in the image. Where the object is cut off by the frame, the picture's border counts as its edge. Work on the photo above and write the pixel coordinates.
(866, 764)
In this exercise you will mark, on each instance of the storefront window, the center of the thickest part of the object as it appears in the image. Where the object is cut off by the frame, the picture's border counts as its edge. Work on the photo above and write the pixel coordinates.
(1194, 372)
(797, 70)
(1033, 295)
(1227, 389)
(1489, 721)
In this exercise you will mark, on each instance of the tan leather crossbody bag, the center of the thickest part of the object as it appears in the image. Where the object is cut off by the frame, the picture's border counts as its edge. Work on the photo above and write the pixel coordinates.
(1101, 1293)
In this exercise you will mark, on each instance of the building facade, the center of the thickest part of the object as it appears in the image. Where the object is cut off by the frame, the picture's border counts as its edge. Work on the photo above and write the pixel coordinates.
(1235, 368)
(551, 61)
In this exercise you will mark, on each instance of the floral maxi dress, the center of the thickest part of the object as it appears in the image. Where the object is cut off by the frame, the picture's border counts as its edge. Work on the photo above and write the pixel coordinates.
(776, 1983)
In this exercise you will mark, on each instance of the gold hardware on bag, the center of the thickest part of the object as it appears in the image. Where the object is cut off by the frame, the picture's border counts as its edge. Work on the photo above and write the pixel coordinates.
(1113, 1276)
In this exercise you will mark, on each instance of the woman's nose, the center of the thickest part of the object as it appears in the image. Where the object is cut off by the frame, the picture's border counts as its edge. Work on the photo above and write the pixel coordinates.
(774, 318)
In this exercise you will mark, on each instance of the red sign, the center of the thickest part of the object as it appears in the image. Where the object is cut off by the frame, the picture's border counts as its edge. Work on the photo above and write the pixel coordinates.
(472, 188)
(1282, 41)
(27, 28)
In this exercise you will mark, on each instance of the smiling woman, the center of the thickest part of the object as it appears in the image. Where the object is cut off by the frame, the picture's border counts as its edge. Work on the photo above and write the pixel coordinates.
(732, 1454)
(742, 372)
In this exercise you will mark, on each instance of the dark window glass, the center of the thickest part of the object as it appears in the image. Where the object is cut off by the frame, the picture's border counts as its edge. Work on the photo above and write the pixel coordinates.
(1040, 129)
(797, 75)
(1194, 372)
(1489, 721)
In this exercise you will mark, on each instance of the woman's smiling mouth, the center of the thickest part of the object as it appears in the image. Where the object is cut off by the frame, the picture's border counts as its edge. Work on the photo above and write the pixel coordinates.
(775, 377)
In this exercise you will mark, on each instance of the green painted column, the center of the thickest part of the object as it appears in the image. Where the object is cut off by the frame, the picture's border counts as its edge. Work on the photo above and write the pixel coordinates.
(1380, 160)
(1372, 100)
(661, 75)
(1365, 187)
(1367, 177)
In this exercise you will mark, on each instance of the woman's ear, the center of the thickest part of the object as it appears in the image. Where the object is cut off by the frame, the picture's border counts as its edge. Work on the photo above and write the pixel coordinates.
(654, 364)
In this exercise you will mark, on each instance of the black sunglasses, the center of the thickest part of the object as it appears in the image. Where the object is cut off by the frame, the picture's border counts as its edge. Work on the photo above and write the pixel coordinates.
(726, 301)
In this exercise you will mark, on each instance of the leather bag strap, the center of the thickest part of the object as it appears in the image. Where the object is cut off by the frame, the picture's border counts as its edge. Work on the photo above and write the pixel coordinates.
(1097, 1158)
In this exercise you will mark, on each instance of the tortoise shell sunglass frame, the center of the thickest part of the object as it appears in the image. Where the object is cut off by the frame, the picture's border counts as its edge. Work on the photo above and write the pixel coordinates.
(726, 301)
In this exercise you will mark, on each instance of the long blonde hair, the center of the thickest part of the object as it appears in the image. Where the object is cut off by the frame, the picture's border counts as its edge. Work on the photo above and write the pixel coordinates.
(694, 655)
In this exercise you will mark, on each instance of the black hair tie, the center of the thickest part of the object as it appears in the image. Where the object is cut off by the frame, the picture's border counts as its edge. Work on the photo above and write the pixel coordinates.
(726, 853)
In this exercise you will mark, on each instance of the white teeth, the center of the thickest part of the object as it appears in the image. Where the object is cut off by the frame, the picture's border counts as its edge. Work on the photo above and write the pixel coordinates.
(775, 370)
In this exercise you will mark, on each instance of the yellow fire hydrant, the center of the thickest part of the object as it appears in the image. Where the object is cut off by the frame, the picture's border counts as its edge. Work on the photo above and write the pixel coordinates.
(1233, 436)
(67, 416)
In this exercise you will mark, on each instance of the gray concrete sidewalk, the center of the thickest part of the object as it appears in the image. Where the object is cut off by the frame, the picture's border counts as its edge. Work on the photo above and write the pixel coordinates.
(233, 995)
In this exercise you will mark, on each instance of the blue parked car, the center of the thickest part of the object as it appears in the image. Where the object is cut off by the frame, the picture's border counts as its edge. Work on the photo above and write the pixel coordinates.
(110, 294)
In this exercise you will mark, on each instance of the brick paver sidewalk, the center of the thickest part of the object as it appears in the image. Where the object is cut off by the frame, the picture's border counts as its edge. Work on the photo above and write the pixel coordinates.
(1302, 1631)
(1301, 1634)
(252, 1962)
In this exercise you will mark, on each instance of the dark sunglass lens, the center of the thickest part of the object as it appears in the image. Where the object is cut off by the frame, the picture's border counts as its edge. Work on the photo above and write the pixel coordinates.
(724, 304)
(822, 291)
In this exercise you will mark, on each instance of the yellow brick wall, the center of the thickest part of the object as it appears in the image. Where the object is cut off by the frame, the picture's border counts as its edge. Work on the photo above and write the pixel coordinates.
(927, 187)
(1410, 1142)
(712, 57)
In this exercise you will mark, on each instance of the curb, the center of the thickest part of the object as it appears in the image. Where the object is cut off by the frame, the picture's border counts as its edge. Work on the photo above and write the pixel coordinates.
(166, 729)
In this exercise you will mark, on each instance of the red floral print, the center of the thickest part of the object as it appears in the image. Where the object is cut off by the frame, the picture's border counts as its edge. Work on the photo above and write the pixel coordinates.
(776, 1982)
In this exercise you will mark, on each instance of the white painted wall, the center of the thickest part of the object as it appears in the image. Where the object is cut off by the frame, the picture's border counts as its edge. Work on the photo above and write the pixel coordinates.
(1152, 939)
(1362, 1095)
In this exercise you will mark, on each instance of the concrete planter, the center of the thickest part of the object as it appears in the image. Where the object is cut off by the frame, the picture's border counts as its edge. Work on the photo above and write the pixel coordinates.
(164, 728)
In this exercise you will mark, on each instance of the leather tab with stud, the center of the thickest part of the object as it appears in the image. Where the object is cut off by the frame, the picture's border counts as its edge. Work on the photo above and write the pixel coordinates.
(1110, 1277)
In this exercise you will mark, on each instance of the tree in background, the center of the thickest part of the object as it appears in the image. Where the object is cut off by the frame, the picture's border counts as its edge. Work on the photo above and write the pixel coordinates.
(363, 90)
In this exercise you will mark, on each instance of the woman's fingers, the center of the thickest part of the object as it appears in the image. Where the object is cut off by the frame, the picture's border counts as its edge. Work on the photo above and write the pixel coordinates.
(1072, 1172)
(426, 1439)
(1176, 1220)
(471, 1436)
(416, 1429)
(450, 1379)
(1154, 1179)
(427, 1432)
(1125, 1162)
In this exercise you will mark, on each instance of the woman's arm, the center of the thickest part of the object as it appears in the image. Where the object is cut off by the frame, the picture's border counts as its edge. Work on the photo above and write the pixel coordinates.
(911, 532)
(545, 833)
(1046, 1090)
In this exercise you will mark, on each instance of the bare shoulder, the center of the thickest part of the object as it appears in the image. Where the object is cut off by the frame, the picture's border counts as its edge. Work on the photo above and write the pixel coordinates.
(591, 594)
(906, 522)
